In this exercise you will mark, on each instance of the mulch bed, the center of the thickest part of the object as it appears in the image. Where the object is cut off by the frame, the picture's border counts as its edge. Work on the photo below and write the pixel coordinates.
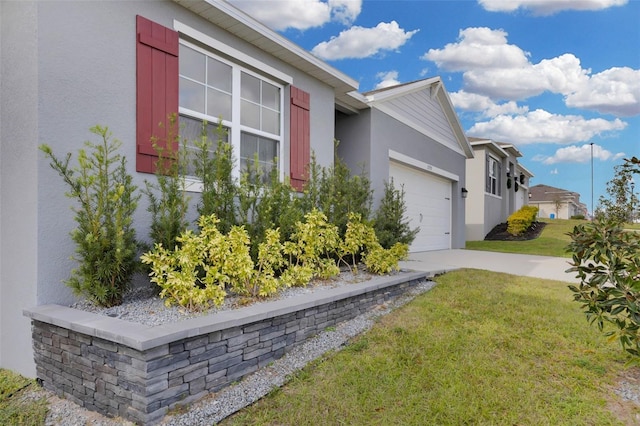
(499, 233)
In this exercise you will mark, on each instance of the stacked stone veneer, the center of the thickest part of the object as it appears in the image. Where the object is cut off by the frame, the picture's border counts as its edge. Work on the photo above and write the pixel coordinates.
(120, 368)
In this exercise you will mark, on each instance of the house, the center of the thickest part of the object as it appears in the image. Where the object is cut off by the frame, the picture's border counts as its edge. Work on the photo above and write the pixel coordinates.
(71, 65)
(498, 185)
(556, 203)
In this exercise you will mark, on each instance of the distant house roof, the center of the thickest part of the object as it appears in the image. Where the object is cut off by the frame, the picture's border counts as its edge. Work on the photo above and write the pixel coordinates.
(545, 193)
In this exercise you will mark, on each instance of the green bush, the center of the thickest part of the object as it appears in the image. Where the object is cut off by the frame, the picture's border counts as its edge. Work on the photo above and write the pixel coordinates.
(106, 201)
(390, 223)
(214, 164)
(606, 259)
(521, 220)
(168, 201)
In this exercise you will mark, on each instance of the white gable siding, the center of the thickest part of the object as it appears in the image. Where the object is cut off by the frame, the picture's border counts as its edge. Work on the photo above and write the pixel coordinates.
(423, 113)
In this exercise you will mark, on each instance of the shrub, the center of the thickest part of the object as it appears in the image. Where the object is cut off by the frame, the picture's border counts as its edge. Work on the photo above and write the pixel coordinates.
(521, 220)
(214, 166)
(313, 246)
(168, 202)
(389, 222)
(336, 193)
(606, 259)
(106, 201)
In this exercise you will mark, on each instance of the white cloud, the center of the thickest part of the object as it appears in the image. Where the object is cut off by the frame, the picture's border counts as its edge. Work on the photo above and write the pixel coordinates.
(554, 171)
(345, 11)
(580, 154)
(615, 91)
(466, 101)
(387, 79)
(478, 48)
(540, 126)
(300, 14)
(494, 68)
(360, 42)
(548, 7)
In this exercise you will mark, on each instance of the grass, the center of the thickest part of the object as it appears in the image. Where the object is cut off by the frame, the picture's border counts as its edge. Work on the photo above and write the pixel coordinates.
(15, 407)
(551, 242)
(480, 348)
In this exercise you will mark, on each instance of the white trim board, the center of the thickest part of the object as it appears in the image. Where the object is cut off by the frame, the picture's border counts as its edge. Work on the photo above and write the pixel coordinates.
(421, 165)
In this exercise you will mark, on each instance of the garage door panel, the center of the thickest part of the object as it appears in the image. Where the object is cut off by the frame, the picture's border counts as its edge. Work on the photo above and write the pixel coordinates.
(428, 203)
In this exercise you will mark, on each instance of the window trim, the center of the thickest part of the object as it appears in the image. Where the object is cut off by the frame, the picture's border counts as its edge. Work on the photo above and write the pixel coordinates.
(236, 128)
(497, 177)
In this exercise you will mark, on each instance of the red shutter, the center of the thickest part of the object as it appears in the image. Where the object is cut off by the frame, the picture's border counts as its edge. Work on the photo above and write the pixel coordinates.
(157, 88)
(300, 138)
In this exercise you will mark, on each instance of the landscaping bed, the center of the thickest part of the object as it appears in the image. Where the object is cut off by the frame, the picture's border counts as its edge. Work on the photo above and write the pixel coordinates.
(139, 372)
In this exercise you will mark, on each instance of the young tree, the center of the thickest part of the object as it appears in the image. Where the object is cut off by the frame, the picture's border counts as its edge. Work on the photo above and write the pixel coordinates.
(606, 259)
(621, 200)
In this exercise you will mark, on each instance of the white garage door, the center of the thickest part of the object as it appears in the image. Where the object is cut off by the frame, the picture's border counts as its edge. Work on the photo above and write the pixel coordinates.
(428, 201)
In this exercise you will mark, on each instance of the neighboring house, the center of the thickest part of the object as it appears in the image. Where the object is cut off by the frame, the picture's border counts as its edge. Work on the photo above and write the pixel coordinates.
(556, 203)
(70, 65)
(498, 186)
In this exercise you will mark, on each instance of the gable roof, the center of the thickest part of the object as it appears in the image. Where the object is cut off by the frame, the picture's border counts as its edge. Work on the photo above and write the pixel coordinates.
(243, 26)
(546, 193)
(430, 89)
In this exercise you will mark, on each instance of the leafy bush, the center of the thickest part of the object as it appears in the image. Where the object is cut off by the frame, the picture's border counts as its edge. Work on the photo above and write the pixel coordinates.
(389, 223)
(200, 270)
(106, 201)
(313, 246)
(606, 259)
(521, 220)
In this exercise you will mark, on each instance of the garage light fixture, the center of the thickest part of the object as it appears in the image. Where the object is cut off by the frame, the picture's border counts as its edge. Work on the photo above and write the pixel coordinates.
(464, 192)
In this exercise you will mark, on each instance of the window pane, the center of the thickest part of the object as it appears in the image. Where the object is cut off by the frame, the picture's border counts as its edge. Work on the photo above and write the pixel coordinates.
(270, 96)
(219, 75)
(191, 95)
(250, 87)
(249, 146)
(270, 121)
(250, 114)
(191, 63)
(268, 150)
(191, 131)
(218, 104)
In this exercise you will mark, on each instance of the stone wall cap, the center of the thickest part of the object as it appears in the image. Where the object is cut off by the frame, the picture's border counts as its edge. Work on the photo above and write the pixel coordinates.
(143, 337)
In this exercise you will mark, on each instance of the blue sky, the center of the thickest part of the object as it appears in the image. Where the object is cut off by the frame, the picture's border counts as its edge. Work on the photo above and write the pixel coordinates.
(550, 76)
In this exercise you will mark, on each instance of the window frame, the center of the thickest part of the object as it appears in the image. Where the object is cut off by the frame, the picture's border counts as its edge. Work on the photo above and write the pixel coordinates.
(235, 126)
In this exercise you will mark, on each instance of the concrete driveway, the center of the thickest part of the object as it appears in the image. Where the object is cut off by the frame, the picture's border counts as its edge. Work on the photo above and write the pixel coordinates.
(517, 264)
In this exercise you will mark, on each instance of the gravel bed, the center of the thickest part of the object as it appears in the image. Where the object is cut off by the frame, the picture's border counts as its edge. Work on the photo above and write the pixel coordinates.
(146, 308)
(142, 305)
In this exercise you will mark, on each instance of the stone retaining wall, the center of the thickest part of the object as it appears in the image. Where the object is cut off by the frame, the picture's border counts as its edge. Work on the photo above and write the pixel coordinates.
(139, 372)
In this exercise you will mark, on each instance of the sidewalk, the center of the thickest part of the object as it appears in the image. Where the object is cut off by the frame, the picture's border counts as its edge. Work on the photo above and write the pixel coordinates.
(517, 264)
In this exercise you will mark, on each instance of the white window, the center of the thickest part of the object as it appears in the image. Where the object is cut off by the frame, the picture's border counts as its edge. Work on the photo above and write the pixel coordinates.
(493, 181)
(213, 88)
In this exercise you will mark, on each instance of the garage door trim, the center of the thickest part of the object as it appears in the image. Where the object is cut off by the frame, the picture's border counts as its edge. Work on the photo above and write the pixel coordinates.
(409, 161)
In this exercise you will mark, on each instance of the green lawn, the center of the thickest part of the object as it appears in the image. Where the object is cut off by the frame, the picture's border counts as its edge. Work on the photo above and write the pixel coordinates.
(480, 348)
(551, 242)
(15, 409)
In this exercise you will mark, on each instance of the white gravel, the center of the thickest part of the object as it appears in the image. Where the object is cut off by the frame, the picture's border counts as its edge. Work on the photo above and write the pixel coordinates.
(139, 307)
